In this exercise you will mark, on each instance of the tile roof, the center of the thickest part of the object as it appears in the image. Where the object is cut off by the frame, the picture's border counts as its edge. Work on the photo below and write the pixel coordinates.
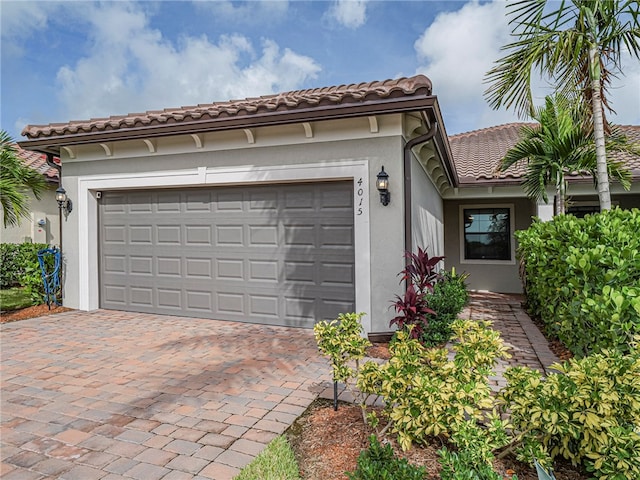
(476, 154)
(38, 162)
(287, 101)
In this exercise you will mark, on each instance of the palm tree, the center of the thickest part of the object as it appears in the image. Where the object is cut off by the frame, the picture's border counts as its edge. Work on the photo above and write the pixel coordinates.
(578, 46)
(556, 147)
(16, 179)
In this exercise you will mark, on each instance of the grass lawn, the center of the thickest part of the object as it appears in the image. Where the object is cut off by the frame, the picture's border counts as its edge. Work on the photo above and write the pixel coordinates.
(14, 298)
(276, 462)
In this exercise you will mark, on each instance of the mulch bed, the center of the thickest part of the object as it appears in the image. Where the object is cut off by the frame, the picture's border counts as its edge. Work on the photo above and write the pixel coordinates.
(31, 312)
(327, 444)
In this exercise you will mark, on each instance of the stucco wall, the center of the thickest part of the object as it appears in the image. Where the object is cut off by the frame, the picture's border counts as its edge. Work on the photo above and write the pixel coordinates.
(626, 202)
(385, 230)
(490, 276)
(29, 230)
(427, 212)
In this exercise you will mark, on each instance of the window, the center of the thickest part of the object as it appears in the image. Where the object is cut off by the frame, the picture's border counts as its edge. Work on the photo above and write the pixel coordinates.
(581, 210)
(487, 233)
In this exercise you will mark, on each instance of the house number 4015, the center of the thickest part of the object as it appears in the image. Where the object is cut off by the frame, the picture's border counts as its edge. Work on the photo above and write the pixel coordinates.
(359, 197)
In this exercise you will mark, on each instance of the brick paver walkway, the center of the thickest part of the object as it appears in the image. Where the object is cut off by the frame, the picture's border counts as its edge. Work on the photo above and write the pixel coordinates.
(113, 395)
(528, 347)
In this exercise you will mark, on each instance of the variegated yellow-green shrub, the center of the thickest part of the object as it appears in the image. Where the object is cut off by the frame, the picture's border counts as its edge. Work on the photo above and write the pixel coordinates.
(588, 413)
(342, 341)
(428, 394)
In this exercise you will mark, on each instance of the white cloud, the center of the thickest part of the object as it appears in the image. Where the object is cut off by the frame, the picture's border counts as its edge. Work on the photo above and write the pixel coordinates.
(132, 67)
(624, 94)
(256, 11)
(455, 52)
(19, 19)
(459, 48)
(349, 13)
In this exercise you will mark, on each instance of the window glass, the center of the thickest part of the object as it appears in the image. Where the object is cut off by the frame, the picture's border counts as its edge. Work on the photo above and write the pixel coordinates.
(487, 234)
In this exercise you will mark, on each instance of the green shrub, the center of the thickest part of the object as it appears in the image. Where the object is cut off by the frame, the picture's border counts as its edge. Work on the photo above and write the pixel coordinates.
(342, 341)
(588, 413)
(582, 278)
(426, 394)
(448, 298)
(15, 260)
(474, 456)
(19, 266)
(378, 462)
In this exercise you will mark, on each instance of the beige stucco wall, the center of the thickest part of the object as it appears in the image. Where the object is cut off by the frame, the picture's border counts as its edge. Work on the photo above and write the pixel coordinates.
(46, 208)
(385, 223)
(496, 277)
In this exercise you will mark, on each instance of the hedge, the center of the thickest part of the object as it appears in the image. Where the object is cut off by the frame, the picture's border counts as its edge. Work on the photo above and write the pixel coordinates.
(582, 278)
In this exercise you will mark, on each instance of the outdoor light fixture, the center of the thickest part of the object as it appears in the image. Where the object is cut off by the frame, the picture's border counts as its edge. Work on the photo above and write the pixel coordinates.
(382, 184)
(64, 203)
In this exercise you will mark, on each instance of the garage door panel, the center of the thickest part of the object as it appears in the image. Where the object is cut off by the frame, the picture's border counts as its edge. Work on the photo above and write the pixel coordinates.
(336, 236)
(169, 298)
(229, 269)
(270, 254)
(169, 234)
(115, 294)
(230, 303)
(198, 202)
(114, 234)
(169, 266)
(198, 235)
(141, 234)
(168, 202)
(199, 300)
(142, 296)
(199, 268)
(229, 235)
(140, 203)
(263, 270)
(141, 265)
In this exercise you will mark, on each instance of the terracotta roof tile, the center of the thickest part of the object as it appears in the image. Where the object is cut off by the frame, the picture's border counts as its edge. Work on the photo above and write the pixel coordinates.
(477, 154)
(38, 162)
(299, 99)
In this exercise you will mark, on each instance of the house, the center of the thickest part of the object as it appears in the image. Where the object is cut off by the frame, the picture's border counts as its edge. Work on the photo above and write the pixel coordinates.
(483, 196)
(43, 225)
(267, 210)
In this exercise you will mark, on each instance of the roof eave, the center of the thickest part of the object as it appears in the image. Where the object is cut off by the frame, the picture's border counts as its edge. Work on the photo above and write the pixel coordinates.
(52, 144)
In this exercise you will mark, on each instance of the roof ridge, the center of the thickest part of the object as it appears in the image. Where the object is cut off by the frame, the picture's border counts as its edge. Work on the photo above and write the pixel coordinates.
(502, 126)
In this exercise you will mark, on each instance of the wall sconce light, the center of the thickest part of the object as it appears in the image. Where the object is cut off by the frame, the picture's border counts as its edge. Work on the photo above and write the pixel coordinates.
(64, 203)
(382, 184)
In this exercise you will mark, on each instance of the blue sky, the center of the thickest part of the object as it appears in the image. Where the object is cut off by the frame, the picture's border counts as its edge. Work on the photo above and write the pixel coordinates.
(76, 60)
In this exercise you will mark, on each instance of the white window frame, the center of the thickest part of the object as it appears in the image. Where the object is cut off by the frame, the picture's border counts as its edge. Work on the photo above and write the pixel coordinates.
(512, 223)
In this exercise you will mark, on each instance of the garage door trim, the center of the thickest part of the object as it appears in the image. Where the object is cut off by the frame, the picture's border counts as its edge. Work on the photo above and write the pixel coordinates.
(87, 223)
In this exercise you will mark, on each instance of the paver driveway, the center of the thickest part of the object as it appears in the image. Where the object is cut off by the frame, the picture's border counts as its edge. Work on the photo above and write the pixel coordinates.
(123, 395)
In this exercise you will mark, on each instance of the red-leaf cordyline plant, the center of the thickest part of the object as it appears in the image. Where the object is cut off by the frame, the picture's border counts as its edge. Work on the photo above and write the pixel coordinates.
(421, 275)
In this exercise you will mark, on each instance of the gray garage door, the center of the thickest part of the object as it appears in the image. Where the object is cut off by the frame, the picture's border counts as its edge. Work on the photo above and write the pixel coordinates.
(276, 254)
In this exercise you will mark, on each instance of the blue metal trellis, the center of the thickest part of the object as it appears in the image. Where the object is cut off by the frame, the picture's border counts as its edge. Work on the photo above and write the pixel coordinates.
(50, 279)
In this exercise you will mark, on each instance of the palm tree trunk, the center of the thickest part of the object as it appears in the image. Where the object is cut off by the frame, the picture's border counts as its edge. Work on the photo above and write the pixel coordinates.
(561, 198)
(602, 175)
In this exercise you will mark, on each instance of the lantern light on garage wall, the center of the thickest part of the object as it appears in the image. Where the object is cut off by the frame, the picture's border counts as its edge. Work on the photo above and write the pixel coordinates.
(382, 184)
(64, 203)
